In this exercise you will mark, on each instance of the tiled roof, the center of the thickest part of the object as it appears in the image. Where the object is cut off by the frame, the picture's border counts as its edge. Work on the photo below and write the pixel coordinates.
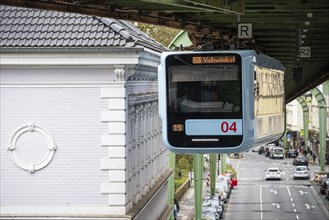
(24, 27)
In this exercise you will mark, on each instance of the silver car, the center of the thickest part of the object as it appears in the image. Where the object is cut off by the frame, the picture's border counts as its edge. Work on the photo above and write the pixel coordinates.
(301, 172)
(212, 207)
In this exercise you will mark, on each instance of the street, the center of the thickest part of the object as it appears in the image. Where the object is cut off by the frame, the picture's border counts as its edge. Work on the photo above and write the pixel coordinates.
(256, 198)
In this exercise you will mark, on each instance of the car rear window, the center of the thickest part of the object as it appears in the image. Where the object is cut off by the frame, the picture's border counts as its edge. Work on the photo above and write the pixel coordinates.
(273, 170)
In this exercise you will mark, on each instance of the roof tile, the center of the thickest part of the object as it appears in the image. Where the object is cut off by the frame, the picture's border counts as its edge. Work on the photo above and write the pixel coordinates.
(23, 27)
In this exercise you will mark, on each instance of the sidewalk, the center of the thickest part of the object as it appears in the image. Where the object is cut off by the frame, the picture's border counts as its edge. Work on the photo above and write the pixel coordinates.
(322, 202)
(186, 203)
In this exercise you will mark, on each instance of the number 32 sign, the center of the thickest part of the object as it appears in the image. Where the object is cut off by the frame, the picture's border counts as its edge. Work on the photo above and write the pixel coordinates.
(213, 127)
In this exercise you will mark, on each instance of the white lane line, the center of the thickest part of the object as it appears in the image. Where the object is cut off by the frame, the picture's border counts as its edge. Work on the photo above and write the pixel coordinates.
(261, 202)
(293, 204)
(288, 191)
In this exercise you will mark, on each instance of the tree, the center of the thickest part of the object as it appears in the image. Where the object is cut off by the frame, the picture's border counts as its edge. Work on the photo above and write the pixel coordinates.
(162, 34)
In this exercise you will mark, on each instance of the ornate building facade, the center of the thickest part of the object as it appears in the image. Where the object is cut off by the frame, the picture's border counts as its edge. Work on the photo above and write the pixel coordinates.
(80, 132)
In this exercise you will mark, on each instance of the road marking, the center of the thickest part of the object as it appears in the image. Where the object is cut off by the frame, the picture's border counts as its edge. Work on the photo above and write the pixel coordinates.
(261, 202)
(274, 191)
(293, 204)
(309, 206)
(295, 210)
(297, 216)
(291, 199)
(276, 204)
(302, 192)
(288, 191)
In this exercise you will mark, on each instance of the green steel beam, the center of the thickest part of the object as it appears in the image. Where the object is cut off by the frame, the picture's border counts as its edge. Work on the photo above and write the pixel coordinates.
(322, 125)
(171, 182)
(306, 116)
(212, 173)
(223, 163)
(198, 171)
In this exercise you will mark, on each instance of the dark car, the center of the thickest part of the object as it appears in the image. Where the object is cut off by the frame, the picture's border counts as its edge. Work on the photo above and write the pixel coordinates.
(324, 185)
(292, 153)
(267, 152)
(327, 194)
(261, 150)
(300, 160)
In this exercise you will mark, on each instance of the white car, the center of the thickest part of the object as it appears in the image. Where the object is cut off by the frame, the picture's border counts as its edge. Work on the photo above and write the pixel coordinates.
(273, 173)
(301, 172)
(222, 192)
(225, 182)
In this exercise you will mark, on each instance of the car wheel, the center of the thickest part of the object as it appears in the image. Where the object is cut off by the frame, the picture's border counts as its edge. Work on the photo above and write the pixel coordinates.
(294, 178)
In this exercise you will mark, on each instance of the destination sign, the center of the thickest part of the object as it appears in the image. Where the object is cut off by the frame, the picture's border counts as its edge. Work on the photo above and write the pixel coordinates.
(213, 59)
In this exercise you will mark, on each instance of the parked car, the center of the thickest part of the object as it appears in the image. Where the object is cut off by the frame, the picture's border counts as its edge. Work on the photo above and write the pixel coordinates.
(301, 172)
(261, 150)
(267, 152)
(217, 201)
(324, 185)
(327, 193)
(225, 182)
(233, 180)
(273, 173)
(300, 160)
(222, 192)
(211, 209)
(292, 153)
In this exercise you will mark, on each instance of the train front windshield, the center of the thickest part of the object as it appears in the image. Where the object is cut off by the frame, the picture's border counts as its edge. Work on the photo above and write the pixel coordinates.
(204, 91)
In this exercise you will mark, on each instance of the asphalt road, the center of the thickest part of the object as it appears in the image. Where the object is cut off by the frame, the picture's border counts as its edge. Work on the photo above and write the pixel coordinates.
(254, 198)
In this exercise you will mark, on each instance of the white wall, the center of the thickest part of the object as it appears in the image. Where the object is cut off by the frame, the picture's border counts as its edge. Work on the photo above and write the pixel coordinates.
(71, 113)
(85, 110)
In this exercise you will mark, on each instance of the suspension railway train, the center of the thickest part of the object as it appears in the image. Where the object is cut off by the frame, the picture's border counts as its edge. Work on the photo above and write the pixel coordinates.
(220, 101)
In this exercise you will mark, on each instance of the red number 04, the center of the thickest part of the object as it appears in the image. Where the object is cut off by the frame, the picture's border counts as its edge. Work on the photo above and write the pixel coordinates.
(225, 127)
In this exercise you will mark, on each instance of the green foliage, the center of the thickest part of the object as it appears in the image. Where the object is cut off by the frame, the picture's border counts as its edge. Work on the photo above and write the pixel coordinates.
(187, 158)
(183, 163)
(233, 171)
(162, 34)
(180, 181)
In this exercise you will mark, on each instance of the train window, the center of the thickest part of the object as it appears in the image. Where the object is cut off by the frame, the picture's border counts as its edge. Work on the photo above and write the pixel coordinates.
(212, 83)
